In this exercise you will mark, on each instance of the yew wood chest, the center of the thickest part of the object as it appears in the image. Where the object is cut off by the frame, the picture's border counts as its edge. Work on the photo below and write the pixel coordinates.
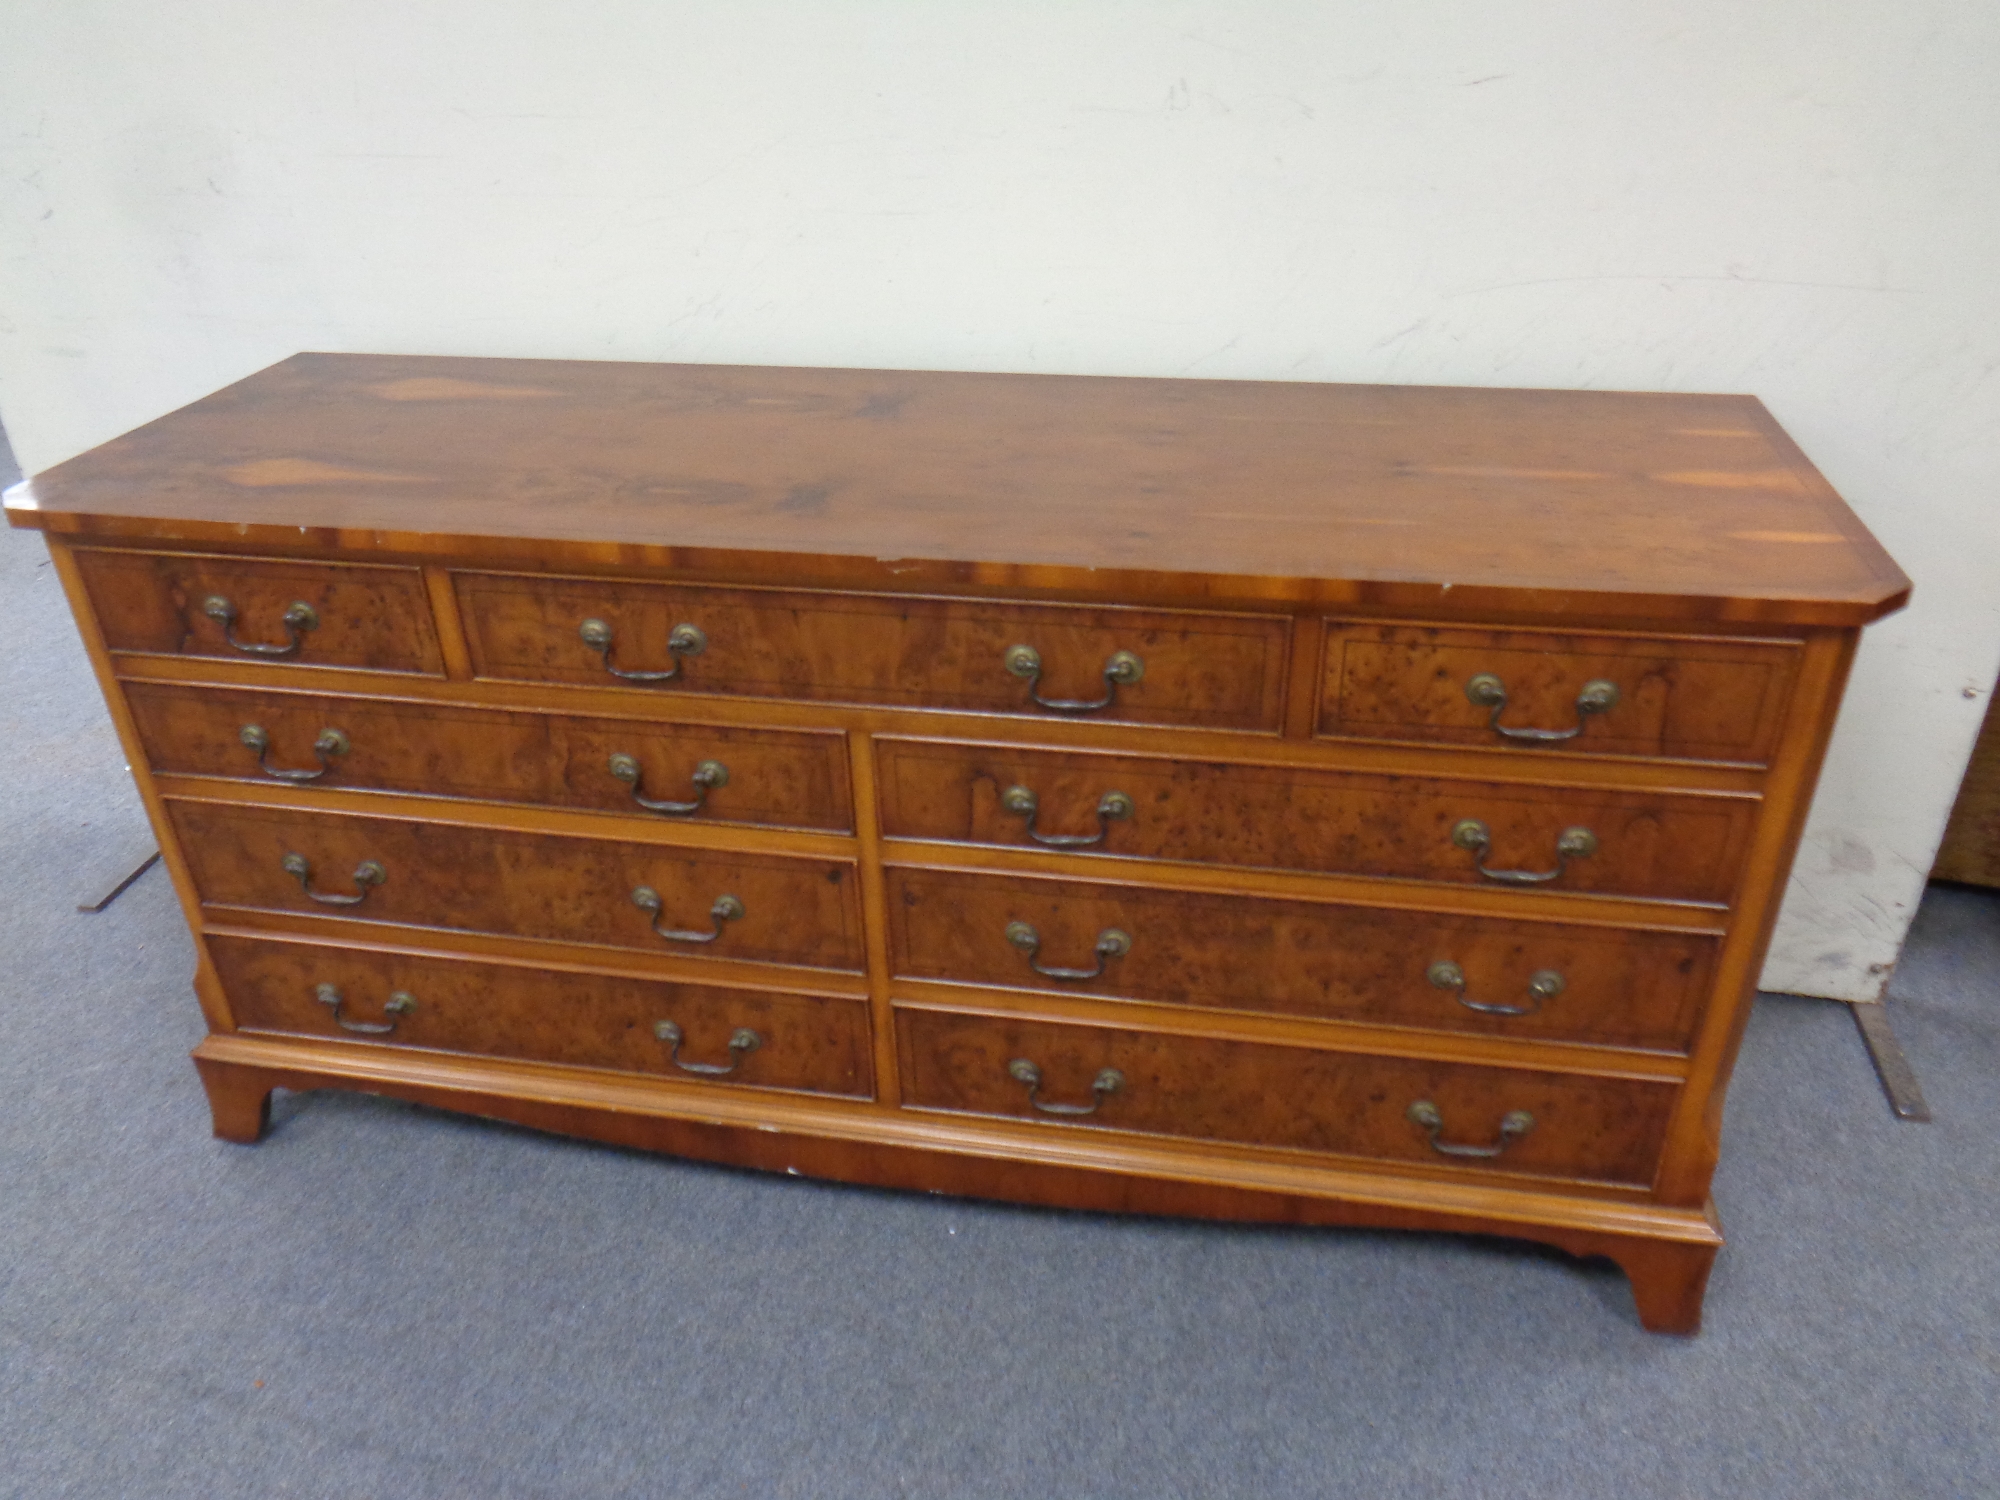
(1329, 804)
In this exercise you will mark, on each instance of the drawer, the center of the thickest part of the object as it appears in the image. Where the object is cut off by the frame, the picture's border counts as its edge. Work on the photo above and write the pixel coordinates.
(687, 1031)
(1681, 846)
(779, 778)
(1263, 1094)
(1536, 980)
(1214, 670)
(787, 909)
(1681, 697)
(266, 610)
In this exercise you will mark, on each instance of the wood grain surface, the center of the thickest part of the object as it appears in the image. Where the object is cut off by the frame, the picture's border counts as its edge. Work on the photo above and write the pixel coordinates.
(1680, 697)
(1210, 670)
(1670, 505)
(797, 911)
(805, 1042)
(375, 618)
(1971, 848)
(1606, 1130)
(1666, 1251)
(1312, 576)
(1301, 958)
(777, 778)
(1651, 843)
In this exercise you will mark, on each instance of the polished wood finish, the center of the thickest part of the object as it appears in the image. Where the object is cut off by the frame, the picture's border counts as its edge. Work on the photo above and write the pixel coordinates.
(1687, 697)
(798, 911)
(777, 778)
(820, 1045)
(1597, 1129)
(1653, 844)
(1311, 575)
(376, 618)
(1465, 502)
(1666, 1252)
(1338, 961)
(1971, 848)
(1216, 671)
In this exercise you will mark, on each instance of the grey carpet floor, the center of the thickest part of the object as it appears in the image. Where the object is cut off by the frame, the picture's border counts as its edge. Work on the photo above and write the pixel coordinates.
(385, 1301)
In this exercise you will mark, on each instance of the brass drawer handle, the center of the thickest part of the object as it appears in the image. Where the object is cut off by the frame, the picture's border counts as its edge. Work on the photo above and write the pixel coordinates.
(683, 641)
(298, 618)
(1574, 843)
(330, 742)
(741, 1041)
(1488, 691)
(726, 909)
(366, 874)
(1108, 1082)
(1543, 984)
(709, 774)
(1121, 669)
(1112, 806)
(1513, 1125)
(1111, 943)
(401, 1003)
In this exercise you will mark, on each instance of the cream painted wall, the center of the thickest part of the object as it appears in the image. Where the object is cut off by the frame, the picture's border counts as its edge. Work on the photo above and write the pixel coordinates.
(1799, 198)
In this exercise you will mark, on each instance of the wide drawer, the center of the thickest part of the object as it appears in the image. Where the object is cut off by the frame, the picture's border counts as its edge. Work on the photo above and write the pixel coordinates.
(263, 609)
(1529, 979)
(1214, 670)
(689, 772)
(1680, 697)
(698, 1032)
(779, 908)
(1682, 846)
(1355, 1104)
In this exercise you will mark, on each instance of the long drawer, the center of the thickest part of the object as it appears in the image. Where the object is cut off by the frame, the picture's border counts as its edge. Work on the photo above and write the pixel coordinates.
(1356, 1104)
(1679, 697)
(1528, 979)
(703, 1033)
(702, 903)
(782, 778)
(1134, 665)
(1681, 846)
(309, 614)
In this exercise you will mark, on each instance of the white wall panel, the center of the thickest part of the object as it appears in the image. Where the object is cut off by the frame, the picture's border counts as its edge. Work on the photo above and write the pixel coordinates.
(1798, 198)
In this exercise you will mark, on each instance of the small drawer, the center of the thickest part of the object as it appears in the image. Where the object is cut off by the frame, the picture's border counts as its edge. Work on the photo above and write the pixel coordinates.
(678, 772)
(1263, 1094)
(706, 903)
(1545, 981)
(1674, 697)
(1677, 846)
(1216, 671)
(262, 609)
(749, 1038)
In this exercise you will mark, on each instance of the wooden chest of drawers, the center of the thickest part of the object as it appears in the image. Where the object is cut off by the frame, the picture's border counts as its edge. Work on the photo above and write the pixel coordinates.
(1338, 805)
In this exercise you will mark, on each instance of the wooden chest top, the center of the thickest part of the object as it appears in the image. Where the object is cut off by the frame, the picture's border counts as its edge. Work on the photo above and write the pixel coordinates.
(1453, 502)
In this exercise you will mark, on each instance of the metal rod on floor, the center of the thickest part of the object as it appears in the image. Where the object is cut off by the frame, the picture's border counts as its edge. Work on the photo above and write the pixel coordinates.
(124, 885)
(1899, 1079)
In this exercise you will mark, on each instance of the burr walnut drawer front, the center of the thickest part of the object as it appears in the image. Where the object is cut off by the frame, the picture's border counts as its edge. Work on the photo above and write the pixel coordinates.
(1142, 666)
(686, 772)
(1264, 1094)
(709, 903)
(1680, 697)
(263, 609)
(757, 1038)
(1528, 979)
(1681, 846)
